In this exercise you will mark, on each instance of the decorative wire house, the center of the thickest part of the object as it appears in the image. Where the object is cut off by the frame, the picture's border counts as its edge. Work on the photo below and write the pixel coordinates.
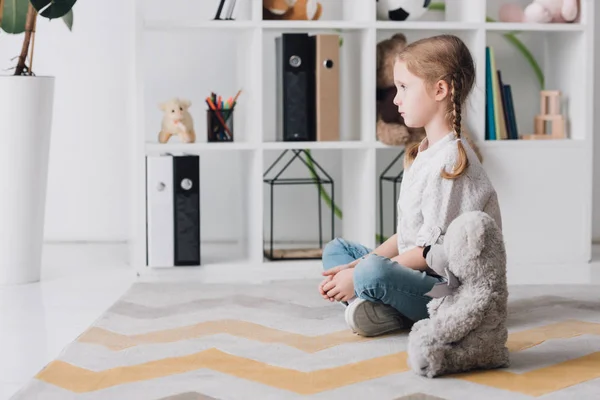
(396, 180)
(319, 182)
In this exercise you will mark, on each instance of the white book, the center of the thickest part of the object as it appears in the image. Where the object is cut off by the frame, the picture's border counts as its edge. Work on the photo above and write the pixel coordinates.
(159, 198)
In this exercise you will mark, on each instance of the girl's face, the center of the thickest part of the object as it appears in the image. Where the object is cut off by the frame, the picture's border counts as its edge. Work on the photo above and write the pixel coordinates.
(416, 103)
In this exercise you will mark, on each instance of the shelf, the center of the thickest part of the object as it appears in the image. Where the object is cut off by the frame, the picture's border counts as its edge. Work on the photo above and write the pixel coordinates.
(177, 25)
(303, 25)
(156, 148)
(524, 27)
(171, 62)
(428, 25)
(316, 145)
(532, 144)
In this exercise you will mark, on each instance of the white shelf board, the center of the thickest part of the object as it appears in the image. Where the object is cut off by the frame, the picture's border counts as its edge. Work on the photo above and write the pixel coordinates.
(355, 144)
(170, 25)
(523, 27)
(532, 144)
(156, 148)
(321, 24)
(381, 145)
(167, 25)
(428, 25)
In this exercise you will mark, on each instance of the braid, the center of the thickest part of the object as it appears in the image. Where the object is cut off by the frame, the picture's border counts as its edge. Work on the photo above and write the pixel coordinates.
(456, 102)
(463, 160)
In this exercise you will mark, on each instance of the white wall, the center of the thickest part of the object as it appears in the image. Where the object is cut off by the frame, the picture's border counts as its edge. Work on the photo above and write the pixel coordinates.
(596, 197)
(88, 187)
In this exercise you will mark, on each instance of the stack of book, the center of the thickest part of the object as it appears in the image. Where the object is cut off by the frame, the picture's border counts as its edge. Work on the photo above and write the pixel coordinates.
(500, 122)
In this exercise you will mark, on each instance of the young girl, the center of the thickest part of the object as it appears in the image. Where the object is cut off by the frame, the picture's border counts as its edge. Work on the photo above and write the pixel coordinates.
(385, 289)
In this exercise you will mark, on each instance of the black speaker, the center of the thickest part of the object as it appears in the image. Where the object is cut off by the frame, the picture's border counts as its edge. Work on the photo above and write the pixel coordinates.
(186, 209)
(296, 111)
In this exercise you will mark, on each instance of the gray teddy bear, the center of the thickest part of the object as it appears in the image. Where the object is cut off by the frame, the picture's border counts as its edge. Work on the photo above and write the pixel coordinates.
(466, 329)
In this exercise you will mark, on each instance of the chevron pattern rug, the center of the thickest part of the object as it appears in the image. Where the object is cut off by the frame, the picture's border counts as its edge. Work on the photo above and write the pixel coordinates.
(281, 340)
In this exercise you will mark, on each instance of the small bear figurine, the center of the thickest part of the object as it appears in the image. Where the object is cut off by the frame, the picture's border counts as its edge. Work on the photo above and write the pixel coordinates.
(177, 121)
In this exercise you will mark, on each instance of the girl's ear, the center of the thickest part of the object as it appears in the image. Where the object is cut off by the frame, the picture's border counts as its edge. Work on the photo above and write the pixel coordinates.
(442, 90)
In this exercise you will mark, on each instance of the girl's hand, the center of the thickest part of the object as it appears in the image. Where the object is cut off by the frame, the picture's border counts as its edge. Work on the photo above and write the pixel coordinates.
(341, 286)
(326, 280)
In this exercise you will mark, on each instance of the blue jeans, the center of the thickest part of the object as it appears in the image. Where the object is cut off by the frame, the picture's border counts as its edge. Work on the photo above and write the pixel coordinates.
(379, 279)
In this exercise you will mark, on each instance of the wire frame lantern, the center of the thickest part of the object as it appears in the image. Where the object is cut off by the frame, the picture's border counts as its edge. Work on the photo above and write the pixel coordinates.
(319, 181)
(396, 180)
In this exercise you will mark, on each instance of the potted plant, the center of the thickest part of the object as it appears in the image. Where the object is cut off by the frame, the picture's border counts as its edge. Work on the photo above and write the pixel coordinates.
(26, 104)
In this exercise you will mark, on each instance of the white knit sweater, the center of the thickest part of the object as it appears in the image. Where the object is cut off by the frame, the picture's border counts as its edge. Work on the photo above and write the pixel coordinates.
(428, 203)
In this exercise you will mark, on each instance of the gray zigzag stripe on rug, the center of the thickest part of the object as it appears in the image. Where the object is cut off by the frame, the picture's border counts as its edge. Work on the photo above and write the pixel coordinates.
(419, 396)
(189, 396)
(297, 310)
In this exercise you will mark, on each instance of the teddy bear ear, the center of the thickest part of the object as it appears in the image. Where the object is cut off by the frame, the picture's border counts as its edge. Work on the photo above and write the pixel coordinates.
(185, 103)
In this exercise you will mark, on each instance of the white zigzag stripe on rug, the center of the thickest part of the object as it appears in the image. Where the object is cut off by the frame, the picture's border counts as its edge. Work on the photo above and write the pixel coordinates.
(277, 307)
(98, 358)
(132, 326)
(168, 294)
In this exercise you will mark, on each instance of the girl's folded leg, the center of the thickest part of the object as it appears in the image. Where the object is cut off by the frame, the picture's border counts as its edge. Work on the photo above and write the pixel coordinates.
(340, 251)
(390, 296)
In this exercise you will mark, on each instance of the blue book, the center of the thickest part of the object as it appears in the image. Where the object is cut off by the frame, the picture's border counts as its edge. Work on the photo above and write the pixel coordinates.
(512, 121)
(489, 98)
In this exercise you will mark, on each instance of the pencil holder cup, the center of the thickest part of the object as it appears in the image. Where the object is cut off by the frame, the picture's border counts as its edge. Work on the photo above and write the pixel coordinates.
(219, 125)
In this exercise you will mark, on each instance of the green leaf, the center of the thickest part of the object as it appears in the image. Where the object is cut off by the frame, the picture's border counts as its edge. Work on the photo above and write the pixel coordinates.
(68, 19)
(53, 8)
(324, 194)
(512, 38)
(15, 15)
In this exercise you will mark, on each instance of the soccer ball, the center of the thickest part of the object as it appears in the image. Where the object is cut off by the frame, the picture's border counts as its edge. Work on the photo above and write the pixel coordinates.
(401, 10)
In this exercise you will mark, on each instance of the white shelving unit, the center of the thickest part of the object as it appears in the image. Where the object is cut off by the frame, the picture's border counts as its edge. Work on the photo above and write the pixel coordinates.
(545, 187)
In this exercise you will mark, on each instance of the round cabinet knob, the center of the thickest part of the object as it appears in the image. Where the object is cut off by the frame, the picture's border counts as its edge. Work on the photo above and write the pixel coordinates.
(295, 61)
(186, 184)
(161, 186)
(328, 64)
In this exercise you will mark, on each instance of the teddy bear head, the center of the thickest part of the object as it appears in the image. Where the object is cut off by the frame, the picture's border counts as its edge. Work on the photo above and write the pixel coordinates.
(387, 50)
(474, 247)
(174, 109)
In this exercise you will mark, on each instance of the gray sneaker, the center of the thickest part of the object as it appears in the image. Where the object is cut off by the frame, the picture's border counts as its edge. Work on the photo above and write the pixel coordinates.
(368, 318)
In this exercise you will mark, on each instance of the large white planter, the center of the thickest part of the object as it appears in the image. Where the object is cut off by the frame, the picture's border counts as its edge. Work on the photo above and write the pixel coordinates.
(25, 125)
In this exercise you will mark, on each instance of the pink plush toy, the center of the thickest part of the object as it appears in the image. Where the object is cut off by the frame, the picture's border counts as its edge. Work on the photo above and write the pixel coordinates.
(541, 11)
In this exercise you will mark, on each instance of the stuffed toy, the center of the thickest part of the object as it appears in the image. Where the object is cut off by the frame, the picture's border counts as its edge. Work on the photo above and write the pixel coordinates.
(541, 11)
(177, 121)
(291, 10)
(390, 127)
(390, 124)
(466, 329)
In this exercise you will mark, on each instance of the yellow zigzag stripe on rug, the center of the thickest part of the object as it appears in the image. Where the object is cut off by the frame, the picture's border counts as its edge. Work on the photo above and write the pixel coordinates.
(80, 380)
(518, 341)
(248, 330)
(541, 381)
(535, 383)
